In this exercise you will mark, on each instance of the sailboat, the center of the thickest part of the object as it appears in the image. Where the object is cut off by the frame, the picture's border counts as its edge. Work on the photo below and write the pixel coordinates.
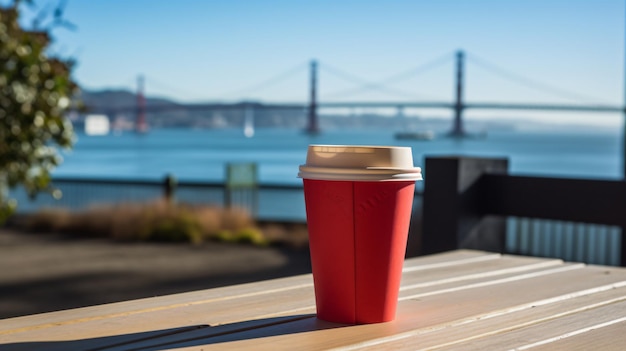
(248, 123)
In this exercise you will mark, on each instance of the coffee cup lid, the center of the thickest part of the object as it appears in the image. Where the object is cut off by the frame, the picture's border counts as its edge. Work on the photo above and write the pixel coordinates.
(359, 163)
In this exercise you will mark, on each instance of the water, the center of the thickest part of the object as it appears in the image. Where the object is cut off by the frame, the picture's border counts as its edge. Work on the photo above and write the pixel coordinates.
(202, 154)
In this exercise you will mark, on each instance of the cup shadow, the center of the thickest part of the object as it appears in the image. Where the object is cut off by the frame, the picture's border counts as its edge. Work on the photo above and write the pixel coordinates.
(188, 336)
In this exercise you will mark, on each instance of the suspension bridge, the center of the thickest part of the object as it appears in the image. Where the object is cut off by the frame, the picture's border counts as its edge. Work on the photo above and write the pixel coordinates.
(311, 107)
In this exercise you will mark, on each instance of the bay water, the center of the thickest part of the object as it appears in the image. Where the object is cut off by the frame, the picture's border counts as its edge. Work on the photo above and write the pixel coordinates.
(201, 155)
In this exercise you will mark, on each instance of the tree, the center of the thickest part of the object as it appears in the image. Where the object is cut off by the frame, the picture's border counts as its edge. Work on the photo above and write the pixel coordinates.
(35, 92)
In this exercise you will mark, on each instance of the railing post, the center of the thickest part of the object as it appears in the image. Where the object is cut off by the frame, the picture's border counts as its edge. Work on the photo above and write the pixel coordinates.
(453, 205)
(169, 188)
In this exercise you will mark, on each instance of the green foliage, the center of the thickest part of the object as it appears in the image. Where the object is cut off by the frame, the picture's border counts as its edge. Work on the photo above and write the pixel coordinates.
(246, 235)
(177, 226)
(35, 92)
(252, 236)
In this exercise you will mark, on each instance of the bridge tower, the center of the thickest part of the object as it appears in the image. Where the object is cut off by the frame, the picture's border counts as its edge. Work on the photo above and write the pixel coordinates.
(141, 126)
(313, 126)
(457, 126)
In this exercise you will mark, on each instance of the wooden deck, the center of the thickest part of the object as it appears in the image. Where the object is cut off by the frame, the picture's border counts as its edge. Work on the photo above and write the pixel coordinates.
(456, 300)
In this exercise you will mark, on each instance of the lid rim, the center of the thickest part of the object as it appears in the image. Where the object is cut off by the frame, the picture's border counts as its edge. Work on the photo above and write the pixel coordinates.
(361, 177)
(361, 170)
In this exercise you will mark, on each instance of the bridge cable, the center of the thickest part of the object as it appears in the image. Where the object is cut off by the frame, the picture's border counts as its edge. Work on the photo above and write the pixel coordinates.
(270, 81)
(410, 73)
(150, 81)
(363, 84)
(530, 83)
(366, 85)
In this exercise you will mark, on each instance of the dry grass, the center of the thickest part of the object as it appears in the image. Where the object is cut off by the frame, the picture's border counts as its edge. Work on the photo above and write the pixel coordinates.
(287, 234)
(162, 221)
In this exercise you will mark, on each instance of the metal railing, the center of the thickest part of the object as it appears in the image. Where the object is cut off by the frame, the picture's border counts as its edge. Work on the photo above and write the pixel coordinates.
(569, 241)
(275, 202)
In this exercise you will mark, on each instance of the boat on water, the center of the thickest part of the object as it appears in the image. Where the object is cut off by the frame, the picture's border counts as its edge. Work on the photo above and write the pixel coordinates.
(248, 123)
(415, 135)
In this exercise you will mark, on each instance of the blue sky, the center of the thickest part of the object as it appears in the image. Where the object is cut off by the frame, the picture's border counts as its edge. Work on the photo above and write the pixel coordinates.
(567, 51)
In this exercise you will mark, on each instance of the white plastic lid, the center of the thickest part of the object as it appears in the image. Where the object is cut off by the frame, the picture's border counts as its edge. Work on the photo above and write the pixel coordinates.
(359, 163)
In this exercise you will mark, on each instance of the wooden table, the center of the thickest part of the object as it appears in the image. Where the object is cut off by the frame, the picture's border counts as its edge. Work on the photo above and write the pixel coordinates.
(456, 300)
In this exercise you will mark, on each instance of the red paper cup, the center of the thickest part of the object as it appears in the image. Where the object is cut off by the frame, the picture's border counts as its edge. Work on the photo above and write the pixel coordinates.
(358, 230)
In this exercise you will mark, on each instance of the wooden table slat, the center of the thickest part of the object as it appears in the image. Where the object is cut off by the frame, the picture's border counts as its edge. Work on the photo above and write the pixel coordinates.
(497, 323)
(611, 337)
(477, 271)
(552, 330)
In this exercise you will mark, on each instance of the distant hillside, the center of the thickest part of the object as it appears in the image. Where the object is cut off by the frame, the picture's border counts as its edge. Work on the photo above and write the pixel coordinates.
(120, 106)
(106, 101)
(102, 100)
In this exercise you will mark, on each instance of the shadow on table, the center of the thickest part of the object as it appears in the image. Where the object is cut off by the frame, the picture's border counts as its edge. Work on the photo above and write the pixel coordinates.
(185, 336)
